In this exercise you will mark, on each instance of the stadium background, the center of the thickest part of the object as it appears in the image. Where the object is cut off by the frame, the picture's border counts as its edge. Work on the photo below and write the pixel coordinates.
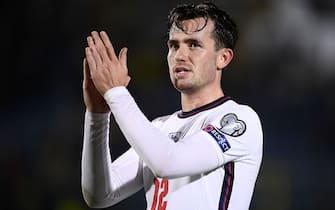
(284, 68)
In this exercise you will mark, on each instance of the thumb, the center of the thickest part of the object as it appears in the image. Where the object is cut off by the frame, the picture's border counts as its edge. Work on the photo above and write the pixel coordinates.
(128, 80)
(85, 69)
(86, 72)
(123, 57)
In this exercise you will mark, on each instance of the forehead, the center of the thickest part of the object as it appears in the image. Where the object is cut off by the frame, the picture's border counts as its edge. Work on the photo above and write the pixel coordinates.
(192, 27)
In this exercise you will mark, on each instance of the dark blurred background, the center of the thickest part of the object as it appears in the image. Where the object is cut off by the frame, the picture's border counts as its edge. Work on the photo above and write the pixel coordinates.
(284, 68)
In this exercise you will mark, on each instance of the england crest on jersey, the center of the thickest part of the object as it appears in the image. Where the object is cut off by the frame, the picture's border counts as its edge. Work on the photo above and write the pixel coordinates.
(175, 136)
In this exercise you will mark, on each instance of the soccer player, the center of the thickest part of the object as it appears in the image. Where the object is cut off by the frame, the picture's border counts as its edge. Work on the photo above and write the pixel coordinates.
(205, 156)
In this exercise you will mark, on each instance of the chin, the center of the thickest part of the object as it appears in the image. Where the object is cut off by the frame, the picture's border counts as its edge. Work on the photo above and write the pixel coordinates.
(184, 89)
(184, 86)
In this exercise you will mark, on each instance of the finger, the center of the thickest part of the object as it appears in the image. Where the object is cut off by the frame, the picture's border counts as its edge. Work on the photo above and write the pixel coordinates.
(94, 53)
(90, 59)
(123, 58)
(100, 46)
(108, 45)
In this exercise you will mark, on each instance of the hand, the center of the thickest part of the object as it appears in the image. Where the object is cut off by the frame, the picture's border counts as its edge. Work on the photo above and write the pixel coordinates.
(106, 69)
(93, 100)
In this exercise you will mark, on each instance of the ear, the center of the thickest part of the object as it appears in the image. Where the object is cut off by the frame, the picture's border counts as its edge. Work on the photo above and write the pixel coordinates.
(225, 55)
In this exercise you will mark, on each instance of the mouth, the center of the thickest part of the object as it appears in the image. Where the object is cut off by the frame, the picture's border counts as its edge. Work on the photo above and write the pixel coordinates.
(181, 70)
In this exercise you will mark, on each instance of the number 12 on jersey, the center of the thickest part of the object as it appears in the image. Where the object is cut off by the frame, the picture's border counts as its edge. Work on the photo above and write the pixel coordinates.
(161, 190)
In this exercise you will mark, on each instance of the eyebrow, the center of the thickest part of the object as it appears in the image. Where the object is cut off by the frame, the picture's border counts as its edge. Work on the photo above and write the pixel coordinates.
(172, 41)
(192, 40)
(187, 41)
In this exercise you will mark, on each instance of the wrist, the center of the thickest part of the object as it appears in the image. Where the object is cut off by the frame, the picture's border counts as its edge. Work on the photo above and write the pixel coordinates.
(98, 110)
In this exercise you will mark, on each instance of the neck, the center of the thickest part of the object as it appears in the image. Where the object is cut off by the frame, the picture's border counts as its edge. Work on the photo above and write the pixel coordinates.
(193, 101)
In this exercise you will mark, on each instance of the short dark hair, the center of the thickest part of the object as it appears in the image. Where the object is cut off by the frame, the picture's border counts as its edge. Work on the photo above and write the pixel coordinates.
(225, 30)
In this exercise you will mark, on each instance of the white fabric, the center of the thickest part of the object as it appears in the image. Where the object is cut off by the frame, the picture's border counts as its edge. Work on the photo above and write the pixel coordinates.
(105, 183)
(193, 164)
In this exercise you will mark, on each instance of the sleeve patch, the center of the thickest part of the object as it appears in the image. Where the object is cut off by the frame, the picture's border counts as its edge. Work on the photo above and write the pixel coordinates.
(218, 137)
(232, 126)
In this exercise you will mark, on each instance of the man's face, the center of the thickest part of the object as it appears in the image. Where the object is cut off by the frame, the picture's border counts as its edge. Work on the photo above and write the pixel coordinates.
(192, 56)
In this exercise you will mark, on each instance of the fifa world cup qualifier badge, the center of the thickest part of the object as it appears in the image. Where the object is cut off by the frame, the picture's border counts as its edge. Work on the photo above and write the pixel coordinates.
(232, 126)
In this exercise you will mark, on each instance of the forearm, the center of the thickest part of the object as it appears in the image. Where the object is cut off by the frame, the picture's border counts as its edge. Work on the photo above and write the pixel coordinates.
(104, 182)
(165, 157)
(96, 158)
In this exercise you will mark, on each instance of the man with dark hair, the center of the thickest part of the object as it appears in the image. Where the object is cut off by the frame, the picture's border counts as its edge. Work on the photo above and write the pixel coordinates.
(205, 156)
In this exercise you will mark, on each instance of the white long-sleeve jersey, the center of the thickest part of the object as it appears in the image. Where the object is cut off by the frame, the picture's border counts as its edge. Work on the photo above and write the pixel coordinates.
(205, 159)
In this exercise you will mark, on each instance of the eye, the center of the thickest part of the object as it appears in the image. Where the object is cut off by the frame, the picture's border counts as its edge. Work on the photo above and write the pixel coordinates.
(173, 45)
(194, 45)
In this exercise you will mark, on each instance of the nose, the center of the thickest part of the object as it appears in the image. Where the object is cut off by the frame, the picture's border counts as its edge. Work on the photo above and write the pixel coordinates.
(181, 54)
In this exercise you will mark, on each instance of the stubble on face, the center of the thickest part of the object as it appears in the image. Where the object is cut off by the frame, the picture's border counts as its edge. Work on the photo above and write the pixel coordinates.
(199, 61)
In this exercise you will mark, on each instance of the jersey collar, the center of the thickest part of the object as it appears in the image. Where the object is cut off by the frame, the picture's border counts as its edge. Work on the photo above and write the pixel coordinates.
(205, 107)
